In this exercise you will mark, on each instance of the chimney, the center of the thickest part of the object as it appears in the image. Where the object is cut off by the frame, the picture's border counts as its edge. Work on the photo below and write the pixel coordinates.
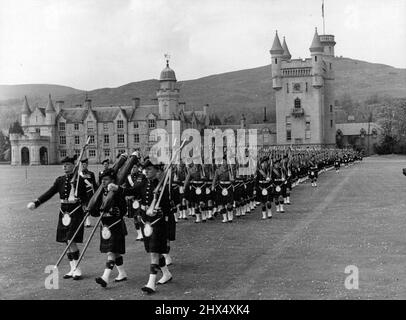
(59, 105)
(182, 106)
(205, 109)
(136, 102)
(265, 120)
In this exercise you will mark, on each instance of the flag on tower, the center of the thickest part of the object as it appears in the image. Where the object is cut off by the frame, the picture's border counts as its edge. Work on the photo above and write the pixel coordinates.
(322, 9)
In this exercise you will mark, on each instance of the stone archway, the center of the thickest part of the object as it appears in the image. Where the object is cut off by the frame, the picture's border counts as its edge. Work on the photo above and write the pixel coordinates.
(43, 156)
(25, 156)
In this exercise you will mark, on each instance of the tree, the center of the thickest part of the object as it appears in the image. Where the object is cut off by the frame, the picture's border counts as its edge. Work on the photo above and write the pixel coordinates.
(16, 128)
(4, 147)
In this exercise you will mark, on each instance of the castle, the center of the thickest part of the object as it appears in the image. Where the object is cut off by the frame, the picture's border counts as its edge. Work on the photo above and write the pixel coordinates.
(305, 115)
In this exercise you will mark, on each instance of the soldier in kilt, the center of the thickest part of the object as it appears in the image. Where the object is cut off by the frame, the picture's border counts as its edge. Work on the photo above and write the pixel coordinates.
(70, 214)
(180, 178)
(264, 189)
(208, 192)
(157, 229)
(91, 186)
(313, 171)
(195, 185)
(287, 165)
(112, 231)
(278, 177)
(223, 180)
(133, 204)
(239, 193)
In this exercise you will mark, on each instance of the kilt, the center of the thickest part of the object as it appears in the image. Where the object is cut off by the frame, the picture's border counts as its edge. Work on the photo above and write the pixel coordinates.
(337, 164)
(116, 243)
(224, 199)
(65, 233)
(279, 195)
(176, 194)
(158, 241)
(315, 174)
(197, 198)
(171, 225)
(261, 186)
(239, 191)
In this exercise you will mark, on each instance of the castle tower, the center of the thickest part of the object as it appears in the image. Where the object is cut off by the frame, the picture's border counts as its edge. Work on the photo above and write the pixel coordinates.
(50, 113)
(276, 54)
(168, 95)
(304, 94)
(25, 113)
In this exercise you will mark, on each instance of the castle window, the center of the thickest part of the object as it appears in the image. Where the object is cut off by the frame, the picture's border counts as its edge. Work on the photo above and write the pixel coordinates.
(289, 135)
(91, 141)
(76, 126)
(298, 103)
(92, 153)
(77, 140)
(62, 153)
(106, 139)
(120, 138)
(90, 125)
(107, 153)
(77, 152)
(287, 88)
(276, 61)
(331, 65)
(288, 120)
(105, 127)
(307, 87)
(136, 138)
(62, 139)
(61, 126)
(151, 123)
(331, 108)
(135, 125)
(120, 124)
(38, 130)
(307, 127)
(331, 123)
(121, 151)
(315, 58)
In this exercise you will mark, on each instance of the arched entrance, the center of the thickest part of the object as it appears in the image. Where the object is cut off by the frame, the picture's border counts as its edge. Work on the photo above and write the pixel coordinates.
(43, 156)
(25, 156)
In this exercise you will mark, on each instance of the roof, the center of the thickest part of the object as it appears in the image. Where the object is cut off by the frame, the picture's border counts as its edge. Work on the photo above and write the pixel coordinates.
(354, 128)
(276, 47)
(286, 53)
(50, 105)
(26, 107)
(167, 74)
(316, 45)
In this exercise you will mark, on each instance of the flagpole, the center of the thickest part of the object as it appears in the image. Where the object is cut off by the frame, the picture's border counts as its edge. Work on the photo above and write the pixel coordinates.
(324, 22)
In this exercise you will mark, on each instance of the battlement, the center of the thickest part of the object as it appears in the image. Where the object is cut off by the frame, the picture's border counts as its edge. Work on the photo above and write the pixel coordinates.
(297, 72)
(327, 38)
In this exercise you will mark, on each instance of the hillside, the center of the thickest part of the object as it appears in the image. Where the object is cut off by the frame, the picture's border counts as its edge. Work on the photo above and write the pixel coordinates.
(233, 93)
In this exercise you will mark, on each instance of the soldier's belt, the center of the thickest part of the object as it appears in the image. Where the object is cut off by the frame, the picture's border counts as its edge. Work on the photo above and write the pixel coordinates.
(225, 182)
(69, 202)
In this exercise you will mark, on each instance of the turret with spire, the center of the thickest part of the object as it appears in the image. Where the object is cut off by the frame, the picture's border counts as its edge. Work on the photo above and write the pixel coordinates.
(277, 56)
(50, 112)
(316, 50)
(168, 94)
(286, 53)
(25, 113)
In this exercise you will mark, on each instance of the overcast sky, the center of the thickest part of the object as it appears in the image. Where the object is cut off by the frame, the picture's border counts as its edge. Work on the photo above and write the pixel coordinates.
(90, 44)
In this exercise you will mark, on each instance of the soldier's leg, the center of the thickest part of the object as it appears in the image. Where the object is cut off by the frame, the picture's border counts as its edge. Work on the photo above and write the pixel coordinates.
(230, 212)
(137, 225)
(154, 268)
(197, 213)
(269, 209)
(263, 205)
(105, 278)
(77, 273)
(122, 275)
(203, 211)
(223, 212)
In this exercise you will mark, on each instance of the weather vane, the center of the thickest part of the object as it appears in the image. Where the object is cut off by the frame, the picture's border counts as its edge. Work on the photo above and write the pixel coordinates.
(167, 58)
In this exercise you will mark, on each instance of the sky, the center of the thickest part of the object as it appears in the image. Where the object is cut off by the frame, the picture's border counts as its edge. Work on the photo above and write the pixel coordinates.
(89, 44)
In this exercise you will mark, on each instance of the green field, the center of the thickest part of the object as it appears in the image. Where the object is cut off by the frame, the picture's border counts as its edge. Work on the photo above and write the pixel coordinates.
(356, 217)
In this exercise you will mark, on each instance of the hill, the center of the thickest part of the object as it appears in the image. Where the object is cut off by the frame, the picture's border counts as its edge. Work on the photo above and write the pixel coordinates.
(229, 94)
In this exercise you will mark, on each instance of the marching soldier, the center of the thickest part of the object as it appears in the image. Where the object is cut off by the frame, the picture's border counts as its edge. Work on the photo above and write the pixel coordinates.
(264, 189)
(91, 186)
(112, 231)
(105, 163)
(72, 194)
(313, 171)
(180, 180)
(278, 177)
(156, 227)
(222, 183)
(133, 204)
(195, 184)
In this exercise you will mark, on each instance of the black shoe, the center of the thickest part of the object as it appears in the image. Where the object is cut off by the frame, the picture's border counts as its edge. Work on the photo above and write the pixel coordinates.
(101, 282)
(67, 276)
(120, 280)
(77, 278)
(148, 290)
(169, 280)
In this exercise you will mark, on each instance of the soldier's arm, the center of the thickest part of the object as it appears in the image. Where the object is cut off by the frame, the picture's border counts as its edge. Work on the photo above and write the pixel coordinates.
(47, 195)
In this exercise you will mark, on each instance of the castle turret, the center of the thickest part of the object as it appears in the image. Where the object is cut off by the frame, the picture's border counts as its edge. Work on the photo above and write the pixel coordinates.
(25, 113)
(286, 53)
(168, 95)
(276, 54)
(50, 112)
(317, 50)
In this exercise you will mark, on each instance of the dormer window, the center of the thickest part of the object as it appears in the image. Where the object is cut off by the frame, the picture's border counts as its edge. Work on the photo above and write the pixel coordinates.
(61, 126)
(120, 124)
(151, 123)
